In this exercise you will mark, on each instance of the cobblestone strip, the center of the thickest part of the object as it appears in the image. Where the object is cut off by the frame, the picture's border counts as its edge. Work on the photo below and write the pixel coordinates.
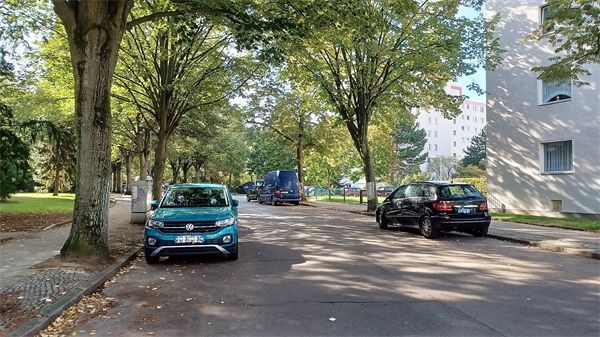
(31, 293)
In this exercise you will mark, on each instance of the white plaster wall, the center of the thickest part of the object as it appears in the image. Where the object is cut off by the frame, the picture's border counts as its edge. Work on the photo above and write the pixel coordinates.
(517, 124)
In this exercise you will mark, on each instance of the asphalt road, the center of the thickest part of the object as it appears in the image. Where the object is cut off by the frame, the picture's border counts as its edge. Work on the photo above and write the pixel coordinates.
(307, 271)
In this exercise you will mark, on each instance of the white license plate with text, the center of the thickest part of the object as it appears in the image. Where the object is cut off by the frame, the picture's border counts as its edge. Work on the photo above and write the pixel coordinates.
(189, 239)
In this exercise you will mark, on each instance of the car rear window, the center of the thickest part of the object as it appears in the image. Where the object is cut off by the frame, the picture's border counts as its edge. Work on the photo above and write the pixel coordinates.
(288, 180)
(195, 197)
(459, 191)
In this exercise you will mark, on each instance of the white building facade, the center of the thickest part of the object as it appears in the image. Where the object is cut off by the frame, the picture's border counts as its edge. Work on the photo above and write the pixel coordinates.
(451, 137)
(543, 150)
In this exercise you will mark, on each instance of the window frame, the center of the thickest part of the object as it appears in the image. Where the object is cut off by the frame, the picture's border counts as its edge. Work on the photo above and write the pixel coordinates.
(541, 94)
(542, 157)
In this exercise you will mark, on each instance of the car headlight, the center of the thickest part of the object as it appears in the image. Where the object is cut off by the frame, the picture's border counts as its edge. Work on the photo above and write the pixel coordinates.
(155, 224)
(225, 222)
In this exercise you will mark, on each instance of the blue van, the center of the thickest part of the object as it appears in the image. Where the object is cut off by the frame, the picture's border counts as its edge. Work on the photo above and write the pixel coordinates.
(280, 186)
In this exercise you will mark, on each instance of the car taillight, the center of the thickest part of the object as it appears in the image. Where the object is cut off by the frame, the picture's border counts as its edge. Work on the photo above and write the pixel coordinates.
(442, 206)
(278, 193)
(483, 206)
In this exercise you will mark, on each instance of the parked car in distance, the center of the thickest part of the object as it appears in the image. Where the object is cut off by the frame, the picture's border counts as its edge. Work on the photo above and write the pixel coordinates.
(384, 191)
(353, 191)
(192, 219)
(436, 207)
(244, 188)
(255, 190)
(280, 186)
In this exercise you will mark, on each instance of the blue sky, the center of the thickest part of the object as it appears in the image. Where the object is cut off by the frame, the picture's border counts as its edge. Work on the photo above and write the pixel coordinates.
(478, 77)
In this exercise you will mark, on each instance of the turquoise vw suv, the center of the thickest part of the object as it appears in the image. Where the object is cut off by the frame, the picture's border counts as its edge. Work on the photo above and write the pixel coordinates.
(193, 219)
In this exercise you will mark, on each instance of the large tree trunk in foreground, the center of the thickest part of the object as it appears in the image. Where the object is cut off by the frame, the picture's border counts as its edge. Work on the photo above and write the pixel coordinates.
(369, 168)
(94, 30)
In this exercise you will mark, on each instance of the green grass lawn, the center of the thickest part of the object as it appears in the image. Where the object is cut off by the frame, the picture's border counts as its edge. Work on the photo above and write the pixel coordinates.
(38, 203)
(585, 224)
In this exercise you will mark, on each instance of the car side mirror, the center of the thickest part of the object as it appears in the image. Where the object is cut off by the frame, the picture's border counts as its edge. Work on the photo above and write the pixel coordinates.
(398, 202)
(235, 203)
(153, 204)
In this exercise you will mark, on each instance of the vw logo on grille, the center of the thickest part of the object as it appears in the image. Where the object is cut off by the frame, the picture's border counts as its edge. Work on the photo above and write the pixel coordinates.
(189, 227)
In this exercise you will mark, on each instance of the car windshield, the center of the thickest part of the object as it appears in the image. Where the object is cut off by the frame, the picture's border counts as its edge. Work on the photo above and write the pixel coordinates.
(459, 191)
(195, 197)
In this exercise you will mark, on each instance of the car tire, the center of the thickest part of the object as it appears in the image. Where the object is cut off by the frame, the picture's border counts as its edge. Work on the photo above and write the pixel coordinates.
(247, 198)
(259, 200)
(273, 202)
(480, 232)
(427, 229)
(233, 256)
(382, 220)
(151, 259)
(296, 203)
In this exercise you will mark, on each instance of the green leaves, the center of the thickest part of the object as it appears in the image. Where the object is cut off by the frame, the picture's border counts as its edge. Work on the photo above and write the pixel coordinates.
(573, 29)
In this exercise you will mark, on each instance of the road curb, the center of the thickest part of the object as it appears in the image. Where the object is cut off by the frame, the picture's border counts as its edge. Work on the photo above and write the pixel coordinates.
(50, 312)
(56, 224)
(549, 246)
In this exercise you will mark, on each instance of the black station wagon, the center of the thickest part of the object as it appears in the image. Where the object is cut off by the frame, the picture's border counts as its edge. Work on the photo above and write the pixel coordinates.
(436, 207)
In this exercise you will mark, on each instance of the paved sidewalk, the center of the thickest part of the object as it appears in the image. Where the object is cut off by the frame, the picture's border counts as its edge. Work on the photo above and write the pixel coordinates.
(31, 290)
(573, 242)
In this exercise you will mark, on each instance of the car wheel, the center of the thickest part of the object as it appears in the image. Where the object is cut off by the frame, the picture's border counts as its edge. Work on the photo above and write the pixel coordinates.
(151, 259)
(427, 228)
(233, 256)
(247, 198)
(383, 221)
(481, 232)
(259, 199)
(296, 203)
(273, 202)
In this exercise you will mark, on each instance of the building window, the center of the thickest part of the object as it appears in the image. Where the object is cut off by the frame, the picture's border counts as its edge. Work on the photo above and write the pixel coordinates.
(435, 134)
(546, 14)
(462, 128)
(454, 120)
(467, 107)
(435, 147)
(428, 146)
(454, 144)
(481, 109)
(558, 156)
(556, 91)
(454, 155)
(468, 117)
(454, 132)
(556, 205)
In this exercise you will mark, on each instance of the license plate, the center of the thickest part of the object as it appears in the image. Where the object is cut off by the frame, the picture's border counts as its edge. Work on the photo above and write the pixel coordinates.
(189, 239)
(465, 210)
(284, 192)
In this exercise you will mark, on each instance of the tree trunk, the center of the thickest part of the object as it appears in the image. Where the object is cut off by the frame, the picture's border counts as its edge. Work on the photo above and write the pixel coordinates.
(160, 158)
(186, 169)
(300, 156)
(94, 30)
(119, 177)
(128, 173)
(369, 168)
(56, 181)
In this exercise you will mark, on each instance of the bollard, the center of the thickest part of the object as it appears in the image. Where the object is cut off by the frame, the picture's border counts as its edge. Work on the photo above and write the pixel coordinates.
(360, 197)
(141, 195)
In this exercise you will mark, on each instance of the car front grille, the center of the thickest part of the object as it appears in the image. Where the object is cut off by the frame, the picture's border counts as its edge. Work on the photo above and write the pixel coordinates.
(199, 227)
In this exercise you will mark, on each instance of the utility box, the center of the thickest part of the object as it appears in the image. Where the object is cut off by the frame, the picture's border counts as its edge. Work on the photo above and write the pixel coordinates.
(141, 196)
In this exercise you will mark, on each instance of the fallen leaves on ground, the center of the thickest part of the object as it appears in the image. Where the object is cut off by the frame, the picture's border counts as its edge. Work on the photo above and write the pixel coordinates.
(88, 307)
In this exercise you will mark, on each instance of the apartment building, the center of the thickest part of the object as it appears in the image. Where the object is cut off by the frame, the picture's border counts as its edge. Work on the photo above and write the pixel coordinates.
(543, 150)
(450, 137)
